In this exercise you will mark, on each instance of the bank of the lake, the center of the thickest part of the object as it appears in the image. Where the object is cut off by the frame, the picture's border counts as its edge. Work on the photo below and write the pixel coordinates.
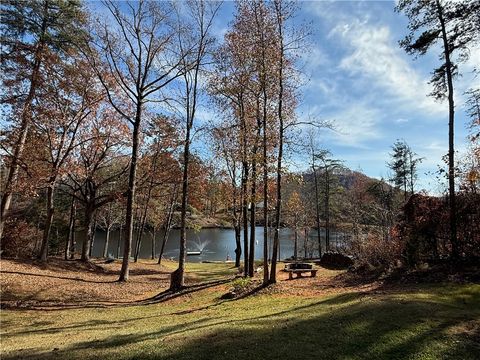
(215, 244)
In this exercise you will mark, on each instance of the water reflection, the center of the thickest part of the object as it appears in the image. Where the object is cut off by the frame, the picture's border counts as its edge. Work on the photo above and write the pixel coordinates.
(214, 244)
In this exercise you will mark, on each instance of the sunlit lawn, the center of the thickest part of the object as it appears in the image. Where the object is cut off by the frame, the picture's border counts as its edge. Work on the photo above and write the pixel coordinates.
(430, 322)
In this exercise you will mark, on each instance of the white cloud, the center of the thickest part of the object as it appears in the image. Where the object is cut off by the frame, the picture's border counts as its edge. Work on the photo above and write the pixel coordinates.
(376, 59)
(356, 126)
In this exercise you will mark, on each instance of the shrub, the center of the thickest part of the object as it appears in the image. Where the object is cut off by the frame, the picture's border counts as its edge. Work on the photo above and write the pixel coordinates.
(375, 252)
(19, 239)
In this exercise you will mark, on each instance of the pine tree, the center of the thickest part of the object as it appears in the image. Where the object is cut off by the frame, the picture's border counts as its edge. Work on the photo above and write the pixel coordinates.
(455, 27)
(30, 30)
(404, 166)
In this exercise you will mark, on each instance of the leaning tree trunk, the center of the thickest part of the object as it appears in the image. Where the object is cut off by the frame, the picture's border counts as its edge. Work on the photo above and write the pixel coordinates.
(164, 242)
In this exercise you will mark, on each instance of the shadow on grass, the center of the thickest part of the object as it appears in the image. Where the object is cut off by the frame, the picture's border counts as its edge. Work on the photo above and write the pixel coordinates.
(189, 289)
(47, 305)
(57, 277)
(347, 326)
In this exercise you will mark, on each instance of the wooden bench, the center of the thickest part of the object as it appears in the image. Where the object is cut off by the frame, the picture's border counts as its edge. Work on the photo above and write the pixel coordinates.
(299, 272)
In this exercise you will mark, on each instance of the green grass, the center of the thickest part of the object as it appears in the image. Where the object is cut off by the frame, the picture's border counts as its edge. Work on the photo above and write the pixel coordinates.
(428, 322)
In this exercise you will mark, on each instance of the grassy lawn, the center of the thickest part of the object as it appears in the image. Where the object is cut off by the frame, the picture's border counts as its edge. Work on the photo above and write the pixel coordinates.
(424, 322)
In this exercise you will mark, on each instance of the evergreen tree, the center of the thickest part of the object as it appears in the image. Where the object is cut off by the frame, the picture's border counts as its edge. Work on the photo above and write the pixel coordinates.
(399, 165)
(455, 25)
(30, 30)
(404, 166)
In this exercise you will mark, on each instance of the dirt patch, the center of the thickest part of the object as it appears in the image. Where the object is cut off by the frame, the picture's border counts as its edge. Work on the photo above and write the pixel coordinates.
(32, 284)
(67, 284)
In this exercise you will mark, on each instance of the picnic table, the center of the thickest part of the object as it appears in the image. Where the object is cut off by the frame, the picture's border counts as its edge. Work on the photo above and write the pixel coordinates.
(299, 269)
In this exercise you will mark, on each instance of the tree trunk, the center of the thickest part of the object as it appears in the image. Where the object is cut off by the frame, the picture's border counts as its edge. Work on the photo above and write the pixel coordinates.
(132, 184)
(245, 217)
(451, 145)
(168, 223)
(236, 225)
(295, 247)
(178, 276)
(94, 233)
(153, 242)
(317, 208)
(278, 206)
(119, 241)
(164, 242)
(107, 241)
(144, 216)
(265, 186)
(253, 215)
(305, 243)
(327, 209)
(71, 231)
(48, 222)
(89, 233)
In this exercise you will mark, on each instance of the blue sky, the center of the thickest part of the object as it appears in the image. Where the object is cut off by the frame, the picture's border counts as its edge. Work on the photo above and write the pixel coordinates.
(375, 93)
(357, 76)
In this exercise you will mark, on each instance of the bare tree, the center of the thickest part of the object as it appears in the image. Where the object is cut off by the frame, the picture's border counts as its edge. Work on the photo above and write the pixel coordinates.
(194, 50)
(67, 98)
(141, 60)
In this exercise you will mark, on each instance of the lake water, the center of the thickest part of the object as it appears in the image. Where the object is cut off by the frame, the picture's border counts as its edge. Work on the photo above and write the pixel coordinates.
(216, 244)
